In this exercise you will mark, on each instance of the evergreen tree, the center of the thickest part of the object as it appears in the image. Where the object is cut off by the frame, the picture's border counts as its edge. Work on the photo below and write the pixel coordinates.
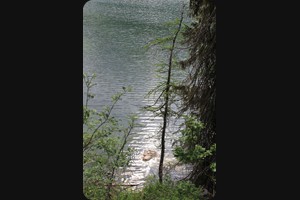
(198, 90)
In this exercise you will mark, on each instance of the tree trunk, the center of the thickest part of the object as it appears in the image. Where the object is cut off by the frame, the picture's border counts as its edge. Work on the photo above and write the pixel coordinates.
(165, 113)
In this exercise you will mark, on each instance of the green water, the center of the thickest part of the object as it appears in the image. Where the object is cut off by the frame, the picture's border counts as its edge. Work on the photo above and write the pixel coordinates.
(114, 36)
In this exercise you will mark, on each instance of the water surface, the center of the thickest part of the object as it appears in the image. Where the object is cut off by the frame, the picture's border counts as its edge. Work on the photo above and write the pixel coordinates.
(114, 36)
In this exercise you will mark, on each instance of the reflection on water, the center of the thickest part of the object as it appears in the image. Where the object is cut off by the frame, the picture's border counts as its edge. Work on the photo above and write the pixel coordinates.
(114, 36)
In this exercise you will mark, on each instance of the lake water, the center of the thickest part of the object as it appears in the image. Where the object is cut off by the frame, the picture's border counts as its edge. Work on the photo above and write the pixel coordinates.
(114, 36)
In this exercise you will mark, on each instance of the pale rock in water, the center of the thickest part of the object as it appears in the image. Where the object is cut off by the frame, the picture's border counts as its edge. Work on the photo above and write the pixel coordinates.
(149, 154)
